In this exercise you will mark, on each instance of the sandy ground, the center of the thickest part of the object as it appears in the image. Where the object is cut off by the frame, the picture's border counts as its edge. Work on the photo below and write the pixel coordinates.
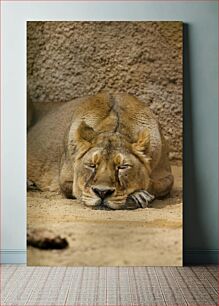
(141, 237)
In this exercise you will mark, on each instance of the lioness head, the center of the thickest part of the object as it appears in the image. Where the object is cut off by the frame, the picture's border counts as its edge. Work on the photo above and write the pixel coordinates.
(109, 171)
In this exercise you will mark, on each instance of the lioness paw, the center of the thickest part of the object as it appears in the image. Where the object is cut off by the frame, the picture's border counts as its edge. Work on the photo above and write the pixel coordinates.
(139, 199)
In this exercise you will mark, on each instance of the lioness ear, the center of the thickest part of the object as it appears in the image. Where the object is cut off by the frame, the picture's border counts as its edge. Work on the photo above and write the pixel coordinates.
(85, 133)
(143, 143)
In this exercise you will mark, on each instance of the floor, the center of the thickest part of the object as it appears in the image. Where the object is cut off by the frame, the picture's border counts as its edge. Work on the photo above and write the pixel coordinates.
(141, 237)
(124, 286)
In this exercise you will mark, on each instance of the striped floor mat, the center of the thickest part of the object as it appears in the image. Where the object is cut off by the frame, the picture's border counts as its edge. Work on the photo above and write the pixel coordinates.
(128, 286)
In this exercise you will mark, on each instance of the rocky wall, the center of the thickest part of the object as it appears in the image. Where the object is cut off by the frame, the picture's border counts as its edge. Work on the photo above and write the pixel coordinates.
(66, 60)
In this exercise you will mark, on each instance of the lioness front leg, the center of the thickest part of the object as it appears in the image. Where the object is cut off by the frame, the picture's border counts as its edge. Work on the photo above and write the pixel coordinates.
(162, 186)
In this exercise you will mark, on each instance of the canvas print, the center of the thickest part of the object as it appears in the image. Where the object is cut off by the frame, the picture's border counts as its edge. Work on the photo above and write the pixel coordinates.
(104, 143)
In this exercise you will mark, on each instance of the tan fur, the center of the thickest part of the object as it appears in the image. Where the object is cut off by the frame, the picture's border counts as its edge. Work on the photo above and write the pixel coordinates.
(103, 141)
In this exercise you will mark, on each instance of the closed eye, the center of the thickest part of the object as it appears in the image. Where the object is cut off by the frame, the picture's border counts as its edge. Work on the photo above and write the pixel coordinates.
(124, 166)
(90, 166)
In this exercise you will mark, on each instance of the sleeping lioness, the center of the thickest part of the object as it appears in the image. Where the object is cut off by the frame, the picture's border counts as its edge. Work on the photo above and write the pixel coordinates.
(105, 150)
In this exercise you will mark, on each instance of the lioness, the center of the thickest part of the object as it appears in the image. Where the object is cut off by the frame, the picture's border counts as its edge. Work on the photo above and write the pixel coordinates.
(105, 150)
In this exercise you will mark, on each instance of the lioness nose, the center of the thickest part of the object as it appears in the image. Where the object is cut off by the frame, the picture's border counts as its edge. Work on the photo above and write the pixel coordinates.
(103, 193)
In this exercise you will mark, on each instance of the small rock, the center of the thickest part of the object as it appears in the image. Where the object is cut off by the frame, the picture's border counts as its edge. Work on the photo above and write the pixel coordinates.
(45, 239)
